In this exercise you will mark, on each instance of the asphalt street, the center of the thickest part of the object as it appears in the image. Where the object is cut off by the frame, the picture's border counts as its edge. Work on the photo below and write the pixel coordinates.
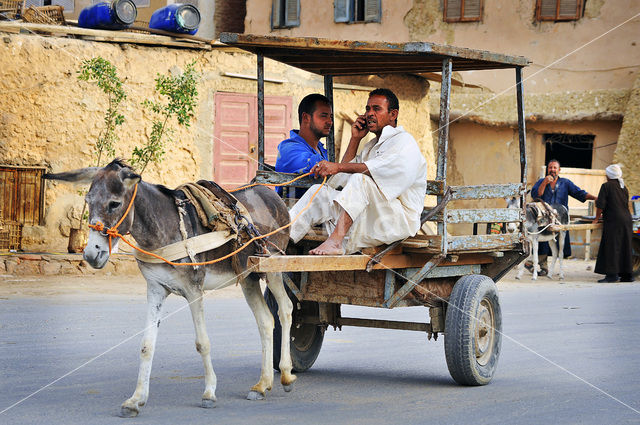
(570, 355)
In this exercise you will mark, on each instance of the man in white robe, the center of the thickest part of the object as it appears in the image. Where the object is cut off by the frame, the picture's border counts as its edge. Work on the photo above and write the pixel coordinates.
(383, 187)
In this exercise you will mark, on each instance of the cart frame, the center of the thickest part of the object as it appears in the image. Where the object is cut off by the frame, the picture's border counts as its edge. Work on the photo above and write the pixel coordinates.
(430, 270)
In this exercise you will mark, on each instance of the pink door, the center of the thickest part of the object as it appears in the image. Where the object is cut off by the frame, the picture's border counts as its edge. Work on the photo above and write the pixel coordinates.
(235, 144)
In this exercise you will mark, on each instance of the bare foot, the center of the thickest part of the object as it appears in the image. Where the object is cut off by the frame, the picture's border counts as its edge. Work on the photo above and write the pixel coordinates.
(328, 247)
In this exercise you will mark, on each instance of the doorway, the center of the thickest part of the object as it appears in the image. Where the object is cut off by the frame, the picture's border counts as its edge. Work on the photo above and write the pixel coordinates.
(572, 150)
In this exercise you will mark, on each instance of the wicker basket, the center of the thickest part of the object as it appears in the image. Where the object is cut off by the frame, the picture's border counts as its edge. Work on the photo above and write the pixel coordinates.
(10, 236)
(11, 9)
(52, 15)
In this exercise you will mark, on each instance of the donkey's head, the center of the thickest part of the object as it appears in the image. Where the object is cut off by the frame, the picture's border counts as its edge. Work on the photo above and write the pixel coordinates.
(513, 202)
(108, 200)
(539, 215)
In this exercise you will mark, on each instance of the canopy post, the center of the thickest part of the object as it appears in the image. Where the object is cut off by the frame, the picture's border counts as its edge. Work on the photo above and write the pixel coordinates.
(260, 61)
(522, 133)
(443, 141)
(328, 91)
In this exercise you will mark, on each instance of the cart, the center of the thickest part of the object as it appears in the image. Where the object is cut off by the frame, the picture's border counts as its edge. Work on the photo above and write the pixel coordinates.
(453, 276)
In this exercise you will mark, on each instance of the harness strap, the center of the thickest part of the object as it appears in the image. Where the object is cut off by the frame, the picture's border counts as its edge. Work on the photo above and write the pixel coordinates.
(182, 249)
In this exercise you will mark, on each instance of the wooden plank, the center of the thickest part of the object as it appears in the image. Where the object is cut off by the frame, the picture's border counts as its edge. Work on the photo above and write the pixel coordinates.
(484, 215)
(487, 191)
(577, 226)
(479, 243)
(103, 35)
(324, 263)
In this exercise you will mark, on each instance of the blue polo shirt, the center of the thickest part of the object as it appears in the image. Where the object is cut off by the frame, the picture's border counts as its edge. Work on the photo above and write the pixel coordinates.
(560, 195)
(296, 156)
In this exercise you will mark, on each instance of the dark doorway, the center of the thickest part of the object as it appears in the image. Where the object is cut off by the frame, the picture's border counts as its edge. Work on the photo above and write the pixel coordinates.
(572, 150)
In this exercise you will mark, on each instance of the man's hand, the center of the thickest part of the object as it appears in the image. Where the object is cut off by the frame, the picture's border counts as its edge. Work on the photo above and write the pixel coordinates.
(549, 179)
(325, 168)
(359, 128)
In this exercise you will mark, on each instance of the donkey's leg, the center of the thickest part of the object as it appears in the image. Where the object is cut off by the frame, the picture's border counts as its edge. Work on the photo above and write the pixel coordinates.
(534, 249)
(521, 266)
(203, 347)
(264, 319)
(562, 235)
(554, 257)
(276, 286)
(156, 295)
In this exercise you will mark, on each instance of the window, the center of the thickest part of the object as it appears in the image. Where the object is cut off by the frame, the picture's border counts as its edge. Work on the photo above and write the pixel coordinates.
(462, 10)
(572, 150)
(285, 14)
(357, 10)
(22, 193)
(559, 10)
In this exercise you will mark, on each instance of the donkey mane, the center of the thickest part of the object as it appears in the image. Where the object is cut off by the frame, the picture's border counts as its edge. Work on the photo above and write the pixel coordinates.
(119, 163)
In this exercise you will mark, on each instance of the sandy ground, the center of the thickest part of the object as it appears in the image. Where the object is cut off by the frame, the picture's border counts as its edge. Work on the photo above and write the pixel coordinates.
(577, 273)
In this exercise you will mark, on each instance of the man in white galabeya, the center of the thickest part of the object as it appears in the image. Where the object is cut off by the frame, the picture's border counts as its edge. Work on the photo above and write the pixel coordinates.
(383, 187)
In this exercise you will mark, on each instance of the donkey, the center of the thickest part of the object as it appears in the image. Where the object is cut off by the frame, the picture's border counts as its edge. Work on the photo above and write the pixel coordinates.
(539, 217)
(154, 222)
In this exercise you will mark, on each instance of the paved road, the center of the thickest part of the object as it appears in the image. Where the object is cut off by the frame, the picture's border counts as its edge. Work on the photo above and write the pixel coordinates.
(570, 355)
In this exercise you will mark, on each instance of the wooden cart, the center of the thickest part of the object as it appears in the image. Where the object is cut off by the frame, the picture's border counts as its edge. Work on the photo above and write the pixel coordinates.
(451, 275)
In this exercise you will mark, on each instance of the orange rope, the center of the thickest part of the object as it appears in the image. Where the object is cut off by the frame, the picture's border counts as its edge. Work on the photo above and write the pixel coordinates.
(113, 232)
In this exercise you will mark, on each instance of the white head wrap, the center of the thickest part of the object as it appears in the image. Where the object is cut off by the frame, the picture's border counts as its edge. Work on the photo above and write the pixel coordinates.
(615, 172)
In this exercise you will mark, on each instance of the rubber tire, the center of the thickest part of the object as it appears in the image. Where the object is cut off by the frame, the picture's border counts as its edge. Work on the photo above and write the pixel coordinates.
(302, 357)
(472, 295)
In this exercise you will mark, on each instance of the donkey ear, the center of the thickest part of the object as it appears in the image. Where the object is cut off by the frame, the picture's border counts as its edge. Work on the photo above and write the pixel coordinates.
(129, 178)
(83, 175)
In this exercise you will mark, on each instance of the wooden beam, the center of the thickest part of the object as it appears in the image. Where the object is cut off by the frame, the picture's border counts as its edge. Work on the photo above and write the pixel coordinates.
(585, 226)
(319, 263)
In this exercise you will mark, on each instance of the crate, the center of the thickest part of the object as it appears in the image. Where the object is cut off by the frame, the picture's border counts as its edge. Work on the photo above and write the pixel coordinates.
(52, 15)
(10, 236)
(11, 9)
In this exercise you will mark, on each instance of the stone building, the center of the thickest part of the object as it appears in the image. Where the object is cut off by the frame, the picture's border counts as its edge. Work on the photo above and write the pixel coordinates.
(581, 87)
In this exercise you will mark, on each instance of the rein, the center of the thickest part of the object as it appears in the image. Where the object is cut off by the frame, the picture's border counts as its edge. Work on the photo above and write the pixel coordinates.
(113, 231)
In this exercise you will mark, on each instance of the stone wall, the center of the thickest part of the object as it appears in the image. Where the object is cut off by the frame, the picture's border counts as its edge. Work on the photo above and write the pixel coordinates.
(49, 118)
(628, 152)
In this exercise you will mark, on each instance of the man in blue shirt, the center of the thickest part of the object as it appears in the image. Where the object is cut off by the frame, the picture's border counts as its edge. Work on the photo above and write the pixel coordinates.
(300, 152)
(556, 190)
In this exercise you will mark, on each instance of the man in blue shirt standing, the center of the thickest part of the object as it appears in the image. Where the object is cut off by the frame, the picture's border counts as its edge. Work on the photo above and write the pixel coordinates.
(556, 190)
(303, 149)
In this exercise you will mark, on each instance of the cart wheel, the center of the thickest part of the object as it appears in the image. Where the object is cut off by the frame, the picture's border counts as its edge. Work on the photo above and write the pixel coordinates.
(307, 338)
(473, 326)
(635, 259)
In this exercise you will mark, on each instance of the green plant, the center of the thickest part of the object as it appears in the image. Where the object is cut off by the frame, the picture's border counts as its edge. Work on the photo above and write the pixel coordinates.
(104, 74)
(181, 95)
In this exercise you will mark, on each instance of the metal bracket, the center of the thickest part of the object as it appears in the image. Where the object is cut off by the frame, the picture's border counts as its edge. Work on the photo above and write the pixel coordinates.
(413, 281)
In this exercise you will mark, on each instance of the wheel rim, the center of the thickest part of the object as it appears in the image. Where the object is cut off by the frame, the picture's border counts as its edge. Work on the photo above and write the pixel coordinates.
(484, 332)
(303, 336)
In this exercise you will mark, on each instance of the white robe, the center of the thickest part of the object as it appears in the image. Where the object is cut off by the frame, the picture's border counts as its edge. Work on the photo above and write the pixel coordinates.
(385, 207)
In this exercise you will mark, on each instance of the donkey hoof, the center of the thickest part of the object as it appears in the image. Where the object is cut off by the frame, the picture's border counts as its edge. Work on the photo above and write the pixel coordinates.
(255, 395)
(207, 403)
(128, 412)
(287, 388)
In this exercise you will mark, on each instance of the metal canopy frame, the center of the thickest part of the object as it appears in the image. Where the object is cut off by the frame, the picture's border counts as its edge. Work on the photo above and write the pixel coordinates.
(331, 58)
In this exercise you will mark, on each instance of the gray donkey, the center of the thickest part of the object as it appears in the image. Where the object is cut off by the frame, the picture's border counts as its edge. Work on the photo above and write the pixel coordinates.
(154, 222)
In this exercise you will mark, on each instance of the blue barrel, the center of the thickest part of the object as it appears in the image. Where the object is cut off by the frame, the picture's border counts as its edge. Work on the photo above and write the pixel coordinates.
(116, 15)
(177, 17)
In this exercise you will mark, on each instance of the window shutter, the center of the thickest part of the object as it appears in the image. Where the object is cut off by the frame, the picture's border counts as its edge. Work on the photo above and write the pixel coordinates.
(569, 9)
(472, 9)
(372, 10)
(67, 4)
(452, 10)
(276, 13)
(341, 10)
(547, 9)
(292, 13)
